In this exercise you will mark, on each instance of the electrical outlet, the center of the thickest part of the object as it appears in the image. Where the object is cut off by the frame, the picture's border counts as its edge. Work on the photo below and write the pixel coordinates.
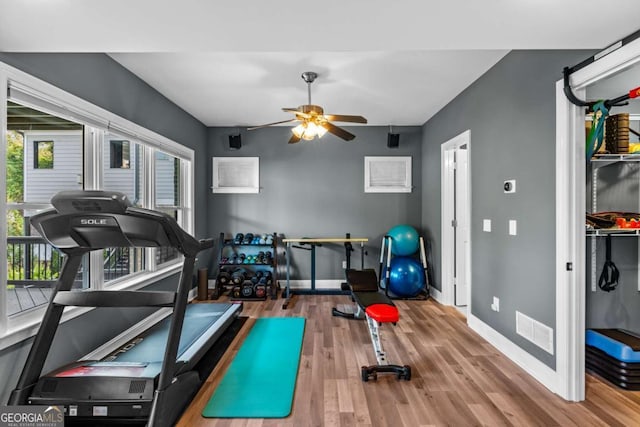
(344, 265)
(496, 304)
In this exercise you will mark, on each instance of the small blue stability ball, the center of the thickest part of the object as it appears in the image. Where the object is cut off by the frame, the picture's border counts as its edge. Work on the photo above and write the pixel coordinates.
(404, 240)
(406, 277)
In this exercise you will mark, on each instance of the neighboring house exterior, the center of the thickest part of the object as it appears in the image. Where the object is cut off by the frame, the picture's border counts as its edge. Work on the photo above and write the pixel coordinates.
(65, 168)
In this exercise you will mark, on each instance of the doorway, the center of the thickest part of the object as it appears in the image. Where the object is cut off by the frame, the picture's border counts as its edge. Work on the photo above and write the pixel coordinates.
(456, 215)
(570, 230)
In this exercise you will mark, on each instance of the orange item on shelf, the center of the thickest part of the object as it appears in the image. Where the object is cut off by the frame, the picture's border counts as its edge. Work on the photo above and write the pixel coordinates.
(631, 223)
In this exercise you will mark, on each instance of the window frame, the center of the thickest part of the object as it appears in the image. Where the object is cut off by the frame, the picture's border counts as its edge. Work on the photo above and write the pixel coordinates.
(112, 156)
(406, 187)
(36, 154)
(251, 164)
(35, 93)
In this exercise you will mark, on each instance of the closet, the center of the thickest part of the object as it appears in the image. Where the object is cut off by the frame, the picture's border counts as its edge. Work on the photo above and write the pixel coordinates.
(613, 214)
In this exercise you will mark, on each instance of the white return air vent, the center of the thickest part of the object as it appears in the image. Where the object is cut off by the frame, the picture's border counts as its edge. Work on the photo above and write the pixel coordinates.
(536, 332)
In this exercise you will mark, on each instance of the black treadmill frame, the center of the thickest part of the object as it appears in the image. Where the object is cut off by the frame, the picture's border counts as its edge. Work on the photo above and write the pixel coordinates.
(103, 212)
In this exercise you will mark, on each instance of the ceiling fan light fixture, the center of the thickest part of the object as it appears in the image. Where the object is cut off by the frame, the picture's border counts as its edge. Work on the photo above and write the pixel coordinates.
(299, 130)
(308, 131)
(321, 131)
(313, 121)
(312, 130)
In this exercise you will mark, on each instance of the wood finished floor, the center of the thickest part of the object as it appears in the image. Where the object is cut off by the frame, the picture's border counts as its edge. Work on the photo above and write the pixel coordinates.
(458, 379)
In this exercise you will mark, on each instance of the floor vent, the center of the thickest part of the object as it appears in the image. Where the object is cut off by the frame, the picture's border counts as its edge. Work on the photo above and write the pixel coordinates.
(536, 332)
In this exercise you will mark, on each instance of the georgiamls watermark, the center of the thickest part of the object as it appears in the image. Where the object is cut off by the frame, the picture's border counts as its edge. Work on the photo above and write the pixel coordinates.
(31, 416)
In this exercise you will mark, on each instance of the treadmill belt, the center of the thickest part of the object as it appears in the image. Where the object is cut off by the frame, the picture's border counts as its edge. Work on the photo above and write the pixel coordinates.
(198, 318)
(142, 356)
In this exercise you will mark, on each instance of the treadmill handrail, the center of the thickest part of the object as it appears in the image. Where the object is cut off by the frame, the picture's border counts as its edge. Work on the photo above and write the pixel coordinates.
(81, 221)
(115, 298)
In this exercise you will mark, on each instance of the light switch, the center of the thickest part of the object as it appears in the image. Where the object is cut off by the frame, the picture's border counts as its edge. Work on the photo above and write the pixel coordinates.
(513, 227)
(486, 225)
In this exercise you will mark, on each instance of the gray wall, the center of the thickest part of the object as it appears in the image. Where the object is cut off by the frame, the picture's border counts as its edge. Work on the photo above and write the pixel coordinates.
(510, 111)
(316, 189)
(103, 82)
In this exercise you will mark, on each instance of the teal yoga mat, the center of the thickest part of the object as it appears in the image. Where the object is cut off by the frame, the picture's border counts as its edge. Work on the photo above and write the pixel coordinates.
(262, 377)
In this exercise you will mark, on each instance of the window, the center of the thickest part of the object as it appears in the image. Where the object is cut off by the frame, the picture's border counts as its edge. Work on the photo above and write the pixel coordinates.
(236, 175)
(43, 154)
(168, 197)
(119, 157)
(129, 180)
(94, 149)
(387, 174)
(33, 266)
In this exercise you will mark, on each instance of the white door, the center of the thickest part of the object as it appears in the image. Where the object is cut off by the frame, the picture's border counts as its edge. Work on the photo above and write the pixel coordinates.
(461, 231)
(456, 229)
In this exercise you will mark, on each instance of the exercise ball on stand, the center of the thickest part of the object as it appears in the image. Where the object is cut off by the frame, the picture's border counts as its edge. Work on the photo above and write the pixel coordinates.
(406, 277)
(404, 240)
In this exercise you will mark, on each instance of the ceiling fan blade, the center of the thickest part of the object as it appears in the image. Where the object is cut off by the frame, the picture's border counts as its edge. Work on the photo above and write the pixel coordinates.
(337, 131)
(271, 124)
(345, 118)
(294, 139)
(297, 112)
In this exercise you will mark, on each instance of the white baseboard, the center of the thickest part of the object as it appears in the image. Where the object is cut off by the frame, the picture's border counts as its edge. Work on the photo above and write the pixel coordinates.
(295, 284)
(436, 295)
(538, 370)
(306, 284)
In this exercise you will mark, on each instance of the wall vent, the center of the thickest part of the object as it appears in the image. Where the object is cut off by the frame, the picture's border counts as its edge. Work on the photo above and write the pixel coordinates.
(137, 386)
(536, 332)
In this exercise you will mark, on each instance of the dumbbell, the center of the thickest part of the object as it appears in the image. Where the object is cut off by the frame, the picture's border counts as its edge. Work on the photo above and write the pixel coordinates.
(267, 258)
(269, 277)
(260, 290)
(224, 277)
(247, 289)
(248, 238)
(238, 239)
(236, 292)
(238, 276)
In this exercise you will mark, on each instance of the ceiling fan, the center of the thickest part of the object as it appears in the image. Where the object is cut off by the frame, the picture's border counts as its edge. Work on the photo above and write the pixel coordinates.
(313, 120)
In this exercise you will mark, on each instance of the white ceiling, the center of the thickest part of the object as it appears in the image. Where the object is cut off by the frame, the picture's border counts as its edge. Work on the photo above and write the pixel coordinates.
(237, 62)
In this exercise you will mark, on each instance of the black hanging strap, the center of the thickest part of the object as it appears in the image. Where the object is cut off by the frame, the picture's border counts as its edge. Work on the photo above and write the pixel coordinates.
(609, 277)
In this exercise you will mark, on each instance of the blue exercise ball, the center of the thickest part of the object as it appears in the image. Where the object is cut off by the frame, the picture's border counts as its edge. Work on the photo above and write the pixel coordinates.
(404, 240)
(406, 277)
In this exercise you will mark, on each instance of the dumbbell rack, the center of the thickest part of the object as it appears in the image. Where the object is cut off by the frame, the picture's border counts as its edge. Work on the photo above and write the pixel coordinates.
(227, 248)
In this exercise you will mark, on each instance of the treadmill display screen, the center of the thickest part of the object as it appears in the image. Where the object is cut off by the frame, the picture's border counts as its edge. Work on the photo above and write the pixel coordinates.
(105, 370)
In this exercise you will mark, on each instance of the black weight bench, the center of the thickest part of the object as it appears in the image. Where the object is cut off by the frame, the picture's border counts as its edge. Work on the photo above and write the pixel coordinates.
(377, 308)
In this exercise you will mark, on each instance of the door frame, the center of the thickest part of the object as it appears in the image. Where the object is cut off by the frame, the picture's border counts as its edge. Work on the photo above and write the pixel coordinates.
(447, 187)
(570, 232)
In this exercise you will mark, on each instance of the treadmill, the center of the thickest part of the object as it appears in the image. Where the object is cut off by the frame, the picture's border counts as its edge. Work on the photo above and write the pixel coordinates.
(147, 377)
